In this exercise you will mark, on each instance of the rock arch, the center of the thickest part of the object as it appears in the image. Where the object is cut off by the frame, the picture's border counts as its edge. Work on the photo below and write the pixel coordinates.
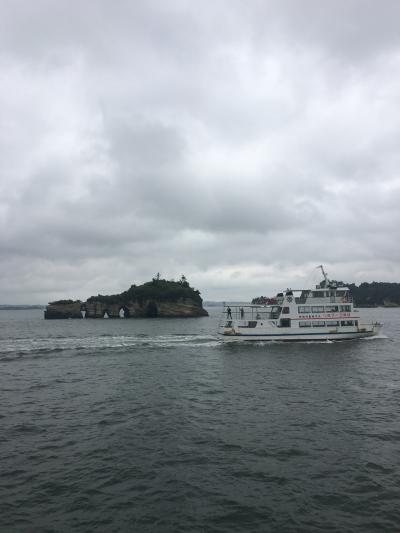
(124, 312)
(151, 310)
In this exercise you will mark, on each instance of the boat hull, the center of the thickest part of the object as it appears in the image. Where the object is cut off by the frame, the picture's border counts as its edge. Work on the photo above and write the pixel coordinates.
(238, 336)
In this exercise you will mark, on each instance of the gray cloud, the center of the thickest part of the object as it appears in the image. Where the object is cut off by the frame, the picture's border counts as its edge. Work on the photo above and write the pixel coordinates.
(240, 143)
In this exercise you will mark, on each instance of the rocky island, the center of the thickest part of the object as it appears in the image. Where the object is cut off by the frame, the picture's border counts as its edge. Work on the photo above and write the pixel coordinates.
(156, 298)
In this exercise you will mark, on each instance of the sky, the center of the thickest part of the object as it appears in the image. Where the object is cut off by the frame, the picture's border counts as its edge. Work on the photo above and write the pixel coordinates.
(241, 143)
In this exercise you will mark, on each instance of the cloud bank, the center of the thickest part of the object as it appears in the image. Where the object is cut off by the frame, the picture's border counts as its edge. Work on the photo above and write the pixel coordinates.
(239, 143)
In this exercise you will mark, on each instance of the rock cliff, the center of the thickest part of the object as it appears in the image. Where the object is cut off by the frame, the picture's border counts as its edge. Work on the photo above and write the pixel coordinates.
(64, 309)
(158, 298)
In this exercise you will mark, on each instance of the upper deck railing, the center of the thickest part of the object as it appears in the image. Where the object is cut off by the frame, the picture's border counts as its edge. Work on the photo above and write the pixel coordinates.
(246, 312)
(250, 312)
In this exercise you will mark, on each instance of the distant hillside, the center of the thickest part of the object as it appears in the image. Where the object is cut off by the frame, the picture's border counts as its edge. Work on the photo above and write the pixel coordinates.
(263, 300)
(376, 294)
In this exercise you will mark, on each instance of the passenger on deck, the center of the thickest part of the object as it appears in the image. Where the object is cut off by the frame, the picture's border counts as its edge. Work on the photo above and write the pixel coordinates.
(228, 313)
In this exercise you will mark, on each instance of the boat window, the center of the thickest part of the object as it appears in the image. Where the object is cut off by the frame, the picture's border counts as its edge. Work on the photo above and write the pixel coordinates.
(304, 309)
(339, 294)
(252, 324)
(333, 323)
(356, 322)
(285, 323)
(285, 310)
(317, 309)
(304, 324)
(347, 323)
(318, 323)
(318, 294)
(345, 308)
(331, 308)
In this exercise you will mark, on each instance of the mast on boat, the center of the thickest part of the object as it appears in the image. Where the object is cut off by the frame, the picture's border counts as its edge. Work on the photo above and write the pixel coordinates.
(324, 274)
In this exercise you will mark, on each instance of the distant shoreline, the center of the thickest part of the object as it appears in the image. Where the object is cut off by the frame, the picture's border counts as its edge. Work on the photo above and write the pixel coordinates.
(10, 307)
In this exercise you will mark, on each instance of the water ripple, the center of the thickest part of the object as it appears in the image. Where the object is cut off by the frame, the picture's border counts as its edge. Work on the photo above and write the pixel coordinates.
(130, 426)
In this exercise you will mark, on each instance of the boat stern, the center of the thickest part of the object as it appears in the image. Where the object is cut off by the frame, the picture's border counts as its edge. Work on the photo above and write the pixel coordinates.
(227, 329)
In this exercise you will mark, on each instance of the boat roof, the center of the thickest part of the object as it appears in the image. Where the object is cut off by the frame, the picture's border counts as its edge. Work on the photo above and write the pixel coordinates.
(318, 288)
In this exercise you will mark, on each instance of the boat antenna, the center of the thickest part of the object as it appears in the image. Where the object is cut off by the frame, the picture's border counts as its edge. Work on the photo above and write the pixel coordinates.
(325, 274)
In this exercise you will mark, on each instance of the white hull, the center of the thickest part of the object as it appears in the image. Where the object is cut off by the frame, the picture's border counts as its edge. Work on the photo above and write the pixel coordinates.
(292, 336)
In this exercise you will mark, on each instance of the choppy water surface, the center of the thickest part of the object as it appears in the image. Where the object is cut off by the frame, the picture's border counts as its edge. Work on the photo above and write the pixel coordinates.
(156, 426)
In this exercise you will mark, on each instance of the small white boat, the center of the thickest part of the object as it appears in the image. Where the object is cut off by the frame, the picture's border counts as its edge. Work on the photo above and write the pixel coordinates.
(325, 313)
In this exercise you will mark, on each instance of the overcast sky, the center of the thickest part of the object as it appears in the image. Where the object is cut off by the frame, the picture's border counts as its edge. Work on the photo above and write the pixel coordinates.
(241, 143)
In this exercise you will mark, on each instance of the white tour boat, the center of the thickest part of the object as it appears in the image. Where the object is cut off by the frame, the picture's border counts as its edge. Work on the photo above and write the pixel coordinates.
(326, 313)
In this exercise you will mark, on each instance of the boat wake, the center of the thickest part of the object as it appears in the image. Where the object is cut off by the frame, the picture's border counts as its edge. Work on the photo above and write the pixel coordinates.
(375, 337)
(42, 346)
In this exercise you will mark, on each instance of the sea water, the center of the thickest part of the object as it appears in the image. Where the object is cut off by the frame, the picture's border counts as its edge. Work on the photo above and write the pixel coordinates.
(155, 425)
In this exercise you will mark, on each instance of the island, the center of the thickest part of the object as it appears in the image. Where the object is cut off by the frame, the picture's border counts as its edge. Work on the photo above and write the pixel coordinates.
(156, 298)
